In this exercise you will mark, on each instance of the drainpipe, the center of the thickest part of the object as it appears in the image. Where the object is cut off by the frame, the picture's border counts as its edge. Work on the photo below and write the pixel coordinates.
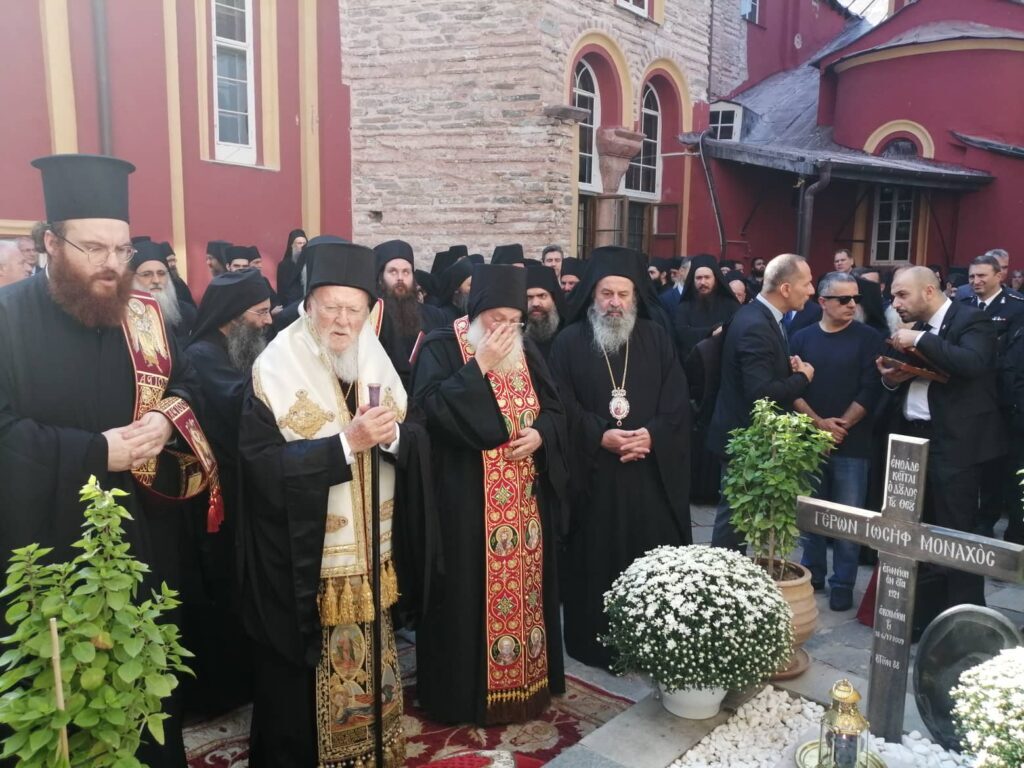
(805, 217)
(99, 38)
(714, 195)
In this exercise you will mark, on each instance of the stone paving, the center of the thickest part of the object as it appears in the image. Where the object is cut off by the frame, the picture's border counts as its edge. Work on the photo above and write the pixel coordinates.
(646, 736)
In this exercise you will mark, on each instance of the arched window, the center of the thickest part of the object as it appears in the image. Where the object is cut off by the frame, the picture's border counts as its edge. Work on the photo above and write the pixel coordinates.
(585, 96)
(899, 148)
(642, 174)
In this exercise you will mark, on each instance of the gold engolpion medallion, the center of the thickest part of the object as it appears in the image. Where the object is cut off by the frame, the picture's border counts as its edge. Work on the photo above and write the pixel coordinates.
(305, 417)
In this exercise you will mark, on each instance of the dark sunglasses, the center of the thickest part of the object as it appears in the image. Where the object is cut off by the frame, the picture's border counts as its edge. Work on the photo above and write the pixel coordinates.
(844, 300)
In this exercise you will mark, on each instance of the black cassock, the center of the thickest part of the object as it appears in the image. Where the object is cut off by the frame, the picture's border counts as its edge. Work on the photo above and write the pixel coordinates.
(399, 347)
(208, 582)
(61, 385)
(281, 525)
(464, 420)
(619, 511)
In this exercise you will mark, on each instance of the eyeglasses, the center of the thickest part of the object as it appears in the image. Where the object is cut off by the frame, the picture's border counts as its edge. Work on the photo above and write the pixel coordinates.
(259, 312)
(98, 254)
(844, 300)
(149, 274)
(333, 312)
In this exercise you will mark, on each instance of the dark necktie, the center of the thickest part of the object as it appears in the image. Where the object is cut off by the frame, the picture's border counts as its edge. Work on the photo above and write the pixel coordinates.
(981, 305)
(785, 336)
(926, 327)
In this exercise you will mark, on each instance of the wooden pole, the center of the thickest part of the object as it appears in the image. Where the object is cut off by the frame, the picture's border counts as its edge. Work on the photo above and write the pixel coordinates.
(377, 633)
(58, 687)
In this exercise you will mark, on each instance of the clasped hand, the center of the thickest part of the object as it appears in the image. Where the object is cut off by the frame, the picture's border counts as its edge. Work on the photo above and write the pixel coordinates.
(370, 427)
(132, 446)
(525, 445)
(629, 444)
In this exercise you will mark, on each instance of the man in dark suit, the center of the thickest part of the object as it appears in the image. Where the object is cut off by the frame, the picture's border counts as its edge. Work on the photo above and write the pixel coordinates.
(960, 418)
(671, 296)
(756, 363)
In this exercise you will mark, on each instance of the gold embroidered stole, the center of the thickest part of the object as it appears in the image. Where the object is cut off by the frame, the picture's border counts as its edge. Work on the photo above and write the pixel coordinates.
(146, 336)
(517, 660)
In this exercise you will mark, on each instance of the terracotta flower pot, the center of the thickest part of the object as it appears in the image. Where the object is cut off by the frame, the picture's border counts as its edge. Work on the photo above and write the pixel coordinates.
(796, 588)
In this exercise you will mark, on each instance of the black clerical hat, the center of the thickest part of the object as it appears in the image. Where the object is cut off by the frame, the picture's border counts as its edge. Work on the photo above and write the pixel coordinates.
(391, 250)
(572, 266)
(84, 187)
(476, 258)
(453, 277)
(254, 253)
(497, 285)
(145, 251)
(507, 254)
(426, 281)
(343, 264)
(141, 239)
(442, 260)
(540, 276)
(166, 249)
(613, 261)
(219, 250)
(458, 252)
(233, 252)
(227, 296)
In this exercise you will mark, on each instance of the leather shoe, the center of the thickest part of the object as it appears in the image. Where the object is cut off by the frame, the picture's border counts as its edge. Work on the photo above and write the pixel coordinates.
(819, 586)
(841, 599)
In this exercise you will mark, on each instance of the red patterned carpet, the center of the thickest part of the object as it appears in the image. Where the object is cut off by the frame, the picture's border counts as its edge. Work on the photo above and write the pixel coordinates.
(224, 742)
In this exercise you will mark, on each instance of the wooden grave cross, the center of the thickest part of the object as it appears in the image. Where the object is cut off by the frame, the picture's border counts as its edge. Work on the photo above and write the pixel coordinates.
(902, 542)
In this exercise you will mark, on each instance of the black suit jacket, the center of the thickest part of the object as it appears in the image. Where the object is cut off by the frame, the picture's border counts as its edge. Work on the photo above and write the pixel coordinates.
(755, 364)
(967, 427)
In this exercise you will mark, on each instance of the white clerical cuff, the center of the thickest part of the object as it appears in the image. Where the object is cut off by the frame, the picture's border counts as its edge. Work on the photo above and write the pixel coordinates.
(393, 448)
(349, 456)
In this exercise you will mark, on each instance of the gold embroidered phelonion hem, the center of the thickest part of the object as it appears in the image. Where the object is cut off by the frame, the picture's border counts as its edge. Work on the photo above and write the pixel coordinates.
(339, 601)
(517, 694)
(394, 756)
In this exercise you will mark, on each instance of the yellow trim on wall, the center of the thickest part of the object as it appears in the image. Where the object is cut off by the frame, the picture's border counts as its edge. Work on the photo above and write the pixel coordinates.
(682, 86)
(179, 240)
(60, 82)
(943, 46)
(658, 11)
(684, 212)
(916, 130)
(270, 112)
(202, 80)
(309, 118)
(858, 248)
(16, 227)
(618, 58)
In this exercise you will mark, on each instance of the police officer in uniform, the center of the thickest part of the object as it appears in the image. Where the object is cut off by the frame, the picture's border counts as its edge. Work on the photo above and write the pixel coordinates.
(1005, 308)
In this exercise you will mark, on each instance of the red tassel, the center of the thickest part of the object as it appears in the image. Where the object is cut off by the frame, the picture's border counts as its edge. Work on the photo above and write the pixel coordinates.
(215, 511)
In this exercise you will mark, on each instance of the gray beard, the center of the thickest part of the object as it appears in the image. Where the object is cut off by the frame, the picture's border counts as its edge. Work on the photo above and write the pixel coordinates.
(541, 329)
(475, 335)
(245, 342)
(346, 364)
(611, 333)
(167, 298)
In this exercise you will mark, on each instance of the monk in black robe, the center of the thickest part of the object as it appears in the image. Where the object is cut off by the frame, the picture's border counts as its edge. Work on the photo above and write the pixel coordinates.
(308, 424)
(706, 305)
(153, 275)
(488, 648)
(454, 285)
(403, 318)
(545, 307)
(626, 400)
(68, 389)
(229, 335)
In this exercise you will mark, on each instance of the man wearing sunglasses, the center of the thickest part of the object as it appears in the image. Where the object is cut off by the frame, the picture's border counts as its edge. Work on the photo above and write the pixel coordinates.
(840, 399)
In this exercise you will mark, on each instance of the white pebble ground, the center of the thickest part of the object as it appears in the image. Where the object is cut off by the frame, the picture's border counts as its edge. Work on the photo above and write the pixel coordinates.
(761, 730)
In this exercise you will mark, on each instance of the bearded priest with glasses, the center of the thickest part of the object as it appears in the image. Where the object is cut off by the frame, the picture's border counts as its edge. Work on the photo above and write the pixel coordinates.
(628, 411)
(92, 383)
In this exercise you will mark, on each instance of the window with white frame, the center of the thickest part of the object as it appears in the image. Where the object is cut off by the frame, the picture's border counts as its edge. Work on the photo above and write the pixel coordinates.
(585, 96)
(725, 122)
(639, 7)
(749, 9)
(642, 174)
(234, 82)
(894, 225)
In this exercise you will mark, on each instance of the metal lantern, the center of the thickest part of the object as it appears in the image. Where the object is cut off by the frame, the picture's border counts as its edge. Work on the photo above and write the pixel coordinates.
(844, 741)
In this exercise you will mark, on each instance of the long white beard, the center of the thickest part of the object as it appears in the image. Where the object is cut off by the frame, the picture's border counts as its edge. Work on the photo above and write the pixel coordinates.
(346, 364)
(475, 335)
(167, 298)
(611, 333)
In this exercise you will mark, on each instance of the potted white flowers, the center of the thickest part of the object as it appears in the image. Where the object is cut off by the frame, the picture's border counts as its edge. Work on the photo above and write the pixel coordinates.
(989, 710)
(699, 620)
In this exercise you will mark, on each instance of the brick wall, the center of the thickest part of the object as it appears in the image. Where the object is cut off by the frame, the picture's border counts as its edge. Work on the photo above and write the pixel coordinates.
(450, 143)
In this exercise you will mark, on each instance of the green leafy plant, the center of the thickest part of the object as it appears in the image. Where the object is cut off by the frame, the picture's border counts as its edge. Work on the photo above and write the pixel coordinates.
(117, 659)
(771, 462)
(697, 617)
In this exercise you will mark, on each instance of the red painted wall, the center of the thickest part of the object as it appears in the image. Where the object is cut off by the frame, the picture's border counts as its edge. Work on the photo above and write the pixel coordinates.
(771, 44)
(247, 205)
